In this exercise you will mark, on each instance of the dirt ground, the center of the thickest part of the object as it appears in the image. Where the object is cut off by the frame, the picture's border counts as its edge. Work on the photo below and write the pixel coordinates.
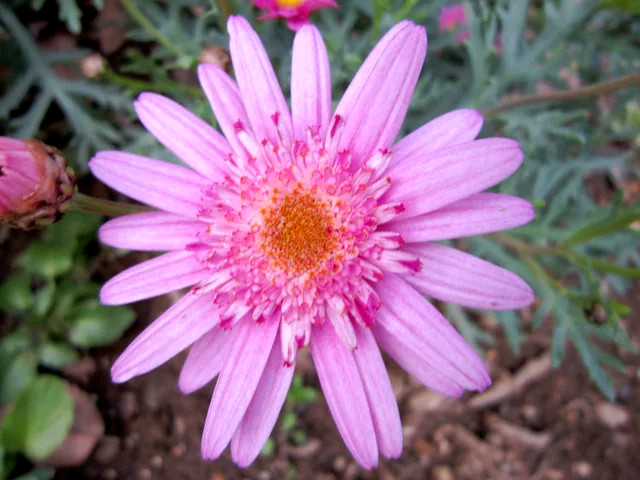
(534, 423)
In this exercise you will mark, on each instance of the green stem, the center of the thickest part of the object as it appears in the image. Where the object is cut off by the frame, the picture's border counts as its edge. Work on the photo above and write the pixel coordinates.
(608, 267)
(108, 208)
(532, 250)
(540, 272)
(138, 85)
(151, 29)
(600, 88)
(604, 227)
(225, 11)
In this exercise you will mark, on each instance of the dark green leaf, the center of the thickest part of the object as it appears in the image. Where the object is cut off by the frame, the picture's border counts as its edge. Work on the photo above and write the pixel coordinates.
(39, 474)
(57, 355)
(289, 420)
(47, 260)
(43, 298)
(16, 373)
(96, 325)
(40, 418)
(268, 449)
(15, 294)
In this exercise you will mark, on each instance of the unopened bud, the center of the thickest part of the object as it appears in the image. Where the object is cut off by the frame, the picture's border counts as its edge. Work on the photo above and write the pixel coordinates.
(93, 65)
(216, 55)
(35, 183)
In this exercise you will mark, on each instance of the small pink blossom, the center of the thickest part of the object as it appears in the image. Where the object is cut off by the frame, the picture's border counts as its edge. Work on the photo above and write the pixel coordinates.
(35, 183)
(295, 12)
(451, 18)
(306, 228)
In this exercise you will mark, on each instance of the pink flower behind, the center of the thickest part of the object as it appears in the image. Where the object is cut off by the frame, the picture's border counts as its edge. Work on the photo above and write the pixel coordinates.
(34, 183)
(295, 12)
(451, 18)
(308, 228)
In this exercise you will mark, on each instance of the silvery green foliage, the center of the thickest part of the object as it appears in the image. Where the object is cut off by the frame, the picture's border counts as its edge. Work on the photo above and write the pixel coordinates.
(576, 254)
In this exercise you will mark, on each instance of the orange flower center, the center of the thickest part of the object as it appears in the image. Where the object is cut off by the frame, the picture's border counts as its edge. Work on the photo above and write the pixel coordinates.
(289, 3)
(298, 233)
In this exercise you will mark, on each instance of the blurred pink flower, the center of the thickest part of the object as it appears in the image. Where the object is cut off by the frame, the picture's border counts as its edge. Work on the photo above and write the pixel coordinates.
(451, 17)
(309, 228)
(295, 12)
(35, 183)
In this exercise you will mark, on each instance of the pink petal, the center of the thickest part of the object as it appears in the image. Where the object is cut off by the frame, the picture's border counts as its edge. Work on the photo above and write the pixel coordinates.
(205, 360)
(376, 101)
(474, 215)
(159, 184)
(248, 352)
(150, 231)
(186, 321)
(382, 400)
(191, 139)
(225, 100)
(310, 83)
(423, 329)
(160, 275)
(457, 277)
(452, 173)
(453, 128)
(263, 411)
(410, 356)
(261, 92)
(345, 394)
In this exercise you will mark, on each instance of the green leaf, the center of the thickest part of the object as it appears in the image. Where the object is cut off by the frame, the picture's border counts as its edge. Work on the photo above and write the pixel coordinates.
(57, 355)
(591, 360)
(510, 322)
(15, 294)
(73, 228)
(289, 420)
(95, 325)
(558, 344)
(629, 6)
(299, 437)
(16, 373)
(299, 394)
(15, 342)
(70, 14)
(40, 418)
(268, 449)
(43, 298)
(47, 260)
(39, 474)
(7, 462)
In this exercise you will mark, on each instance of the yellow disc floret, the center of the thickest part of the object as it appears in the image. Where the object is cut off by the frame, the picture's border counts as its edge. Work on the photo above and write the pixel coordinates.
(298, 234)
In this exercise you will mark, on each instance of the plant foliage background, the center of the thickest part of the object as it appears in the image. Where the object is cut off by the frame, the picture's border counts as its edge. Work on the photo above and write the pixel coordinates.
(581, 160)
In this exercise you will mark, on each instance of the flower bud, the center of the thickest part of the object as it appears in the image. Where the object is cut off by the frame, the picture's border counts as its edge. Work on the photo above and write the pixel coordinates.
(35, 183)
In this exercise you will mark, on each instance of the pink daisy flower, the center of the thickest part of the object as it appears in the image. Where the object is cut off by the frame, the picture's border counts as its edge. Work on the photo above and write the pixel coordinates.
(452, 16)
(295, 12)
(308, 228)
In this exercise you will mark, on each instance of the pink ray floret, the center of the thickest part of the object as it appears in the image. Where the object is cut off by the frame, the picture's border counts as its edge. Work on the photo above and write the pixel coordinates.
(295, 12)
(306, 228)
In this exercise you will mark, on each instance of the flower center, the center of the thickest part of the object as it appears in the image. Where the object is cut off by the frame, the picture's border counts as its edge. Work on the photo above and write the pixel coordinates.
(289, 3)
(298, 233)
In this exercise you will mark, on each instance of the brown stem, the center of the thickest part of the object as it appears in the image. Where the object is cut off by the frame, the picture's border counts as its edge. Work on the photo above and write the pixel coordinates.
(593, 90)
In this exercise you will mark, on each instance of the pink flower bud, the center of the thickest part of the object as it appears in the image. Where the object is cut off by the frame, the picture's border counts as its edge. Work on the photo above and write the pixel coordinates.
(296, 12)
(35, 183)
